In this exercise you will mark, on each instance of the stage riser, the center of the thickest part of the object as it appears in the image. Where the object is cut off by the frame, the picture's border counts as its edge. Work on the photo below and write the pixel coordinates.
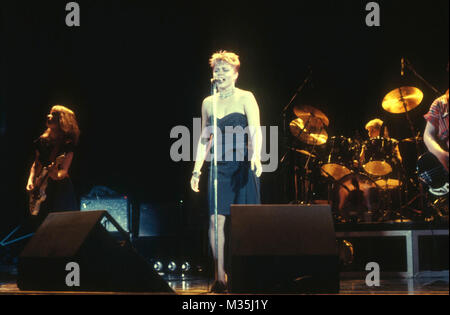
(400, 254)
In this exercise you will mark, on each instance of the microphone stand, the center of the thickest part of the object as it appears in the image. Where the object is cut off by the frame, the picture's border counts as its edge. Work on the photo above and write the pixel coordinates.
(213, 174)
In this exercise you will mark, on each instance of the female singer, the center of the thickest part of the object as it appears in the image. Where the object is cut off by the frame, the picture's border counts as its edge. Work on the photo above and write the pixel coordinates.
(237, 177)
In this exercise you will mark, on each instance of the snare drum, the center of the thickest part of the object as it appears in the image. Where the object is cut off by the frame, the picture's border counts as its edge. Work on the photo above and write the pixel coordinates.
(338, 157)
(378, 155)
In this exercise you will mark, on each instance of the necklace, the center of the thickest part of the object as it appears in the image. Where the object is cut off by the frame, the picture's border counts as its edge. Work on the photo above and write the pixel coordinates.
(226, 93)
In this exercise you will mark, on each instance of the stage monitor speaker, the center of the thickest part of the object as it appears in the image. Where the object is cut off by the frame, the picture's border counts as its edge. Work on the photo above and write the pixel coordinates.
(102, 263)
(283, 249)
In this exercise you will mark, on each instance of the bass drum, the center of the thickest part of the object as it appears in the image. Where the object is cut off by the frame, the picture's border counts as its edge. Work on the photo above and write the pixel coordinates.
(356, 199)
(339, 157)
(378, 156)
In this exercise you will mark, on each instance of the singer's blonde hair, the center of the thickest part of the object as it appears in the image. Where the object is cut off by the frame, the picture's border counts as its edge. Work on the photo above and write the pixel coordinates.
(228, 57)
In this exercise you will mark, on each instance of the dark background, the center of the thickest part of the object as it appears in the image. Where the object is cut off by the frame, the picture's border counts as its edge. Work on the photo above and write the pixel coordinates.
(136, 69)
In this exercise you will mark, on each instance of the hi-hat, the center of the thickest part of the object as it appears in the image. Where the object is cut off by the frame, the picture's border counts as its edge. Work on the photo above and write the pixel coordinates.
(402, 100)
(314, 117)
(309, 134)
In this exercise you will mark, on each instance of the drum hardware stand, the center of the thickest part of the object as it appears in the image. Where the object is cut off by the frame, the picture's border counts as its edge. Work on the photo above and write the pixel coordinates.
(416, 142)
(333, 181)
(389, 193)
(438, 93)
(284, 111)
(413, 70)
(306, 180)
(409, 203)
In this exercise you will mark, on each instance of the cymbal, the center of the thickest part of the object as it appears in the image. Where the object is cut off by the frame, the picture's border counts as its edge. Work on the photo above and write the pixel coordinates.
(411, 140)
(308, 134)
(312, 115)
(304, 152)
(395, 101)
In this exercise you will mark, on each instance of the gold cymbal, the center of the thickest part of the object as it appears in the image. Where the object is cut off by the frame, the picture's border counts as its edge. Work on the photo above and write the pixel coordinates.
(410, 140)
(313, 116)
(395, 101)
(304, 152)
(308, 134)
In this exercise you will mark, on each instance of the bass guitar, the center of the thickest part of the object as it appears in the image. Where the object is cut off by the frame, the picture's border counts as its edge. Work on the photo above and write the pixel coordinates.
(433, 174)
(38, 194)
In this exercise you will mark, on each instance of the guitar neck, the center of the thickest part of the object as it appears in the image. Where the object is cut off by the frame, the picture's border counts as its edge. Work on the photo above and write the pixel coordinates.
(42, 177)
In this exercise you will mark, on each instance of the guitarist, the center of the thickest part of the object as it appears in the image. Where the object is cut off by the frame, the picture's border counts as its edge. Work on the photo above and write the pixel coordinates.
(58, 140)
(436, 131)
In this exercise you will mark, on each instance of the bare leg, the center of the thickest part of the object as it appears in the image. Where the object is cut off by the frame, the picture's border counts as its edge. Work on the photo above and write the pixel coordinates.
(220, 244)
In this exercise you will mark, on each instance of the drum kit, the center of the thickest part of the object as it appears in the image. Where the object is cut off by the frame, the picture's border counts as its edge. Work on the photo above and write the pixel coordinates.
(364, 180)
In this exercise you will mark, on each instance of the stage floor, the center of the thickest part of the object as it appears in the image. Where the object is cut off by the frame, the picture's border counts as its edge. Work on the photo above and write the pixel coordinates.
(201, 286)
(421, 284)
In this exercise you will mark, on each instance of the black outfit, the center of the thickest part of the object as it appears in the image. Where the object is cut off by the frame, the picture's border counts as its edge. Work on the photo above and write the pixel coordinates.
(236, 182)
(60, 194)
(60, 197)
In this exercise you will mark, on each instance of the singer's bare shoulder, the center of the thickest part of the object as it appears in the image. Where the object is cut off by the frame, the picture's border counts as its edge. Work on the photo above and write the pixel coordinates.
(245, 97)
(207, 104)
(240, 93)
(207, 100)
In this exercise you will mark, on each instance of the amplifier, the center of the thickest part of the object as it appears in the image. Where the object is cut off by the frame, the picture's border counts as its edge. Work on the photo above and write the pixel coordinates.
(118, 207)
(160, 219)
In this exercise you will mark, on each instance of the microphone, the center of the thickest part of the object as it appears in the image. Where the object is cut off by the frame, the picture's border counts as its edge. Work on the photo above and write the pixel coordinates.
(216, 80)
(402, 71)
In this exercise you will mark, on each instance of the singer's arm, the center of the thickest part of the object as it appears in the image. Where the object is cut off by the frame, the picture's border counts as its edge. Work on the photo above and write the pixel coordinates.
(204, 145)
(253, 118)
(433, 146)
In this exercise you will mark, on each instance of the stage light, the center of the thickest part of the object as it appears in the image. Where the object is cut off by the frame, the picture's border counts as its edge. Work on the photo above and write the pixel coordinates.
(172, 266)
(158, 266)
(185, 267)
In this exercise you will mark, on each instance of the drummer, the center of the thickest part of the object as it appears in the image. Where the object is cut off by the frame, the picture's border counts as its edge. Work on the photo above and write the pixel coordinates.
(374, 130)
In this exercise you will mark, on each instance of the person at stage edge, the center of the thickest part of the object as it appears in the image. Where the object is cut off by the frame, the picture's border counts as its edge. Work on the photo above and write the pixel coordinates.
(59, 139)
(238, 163)
(436, 130)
